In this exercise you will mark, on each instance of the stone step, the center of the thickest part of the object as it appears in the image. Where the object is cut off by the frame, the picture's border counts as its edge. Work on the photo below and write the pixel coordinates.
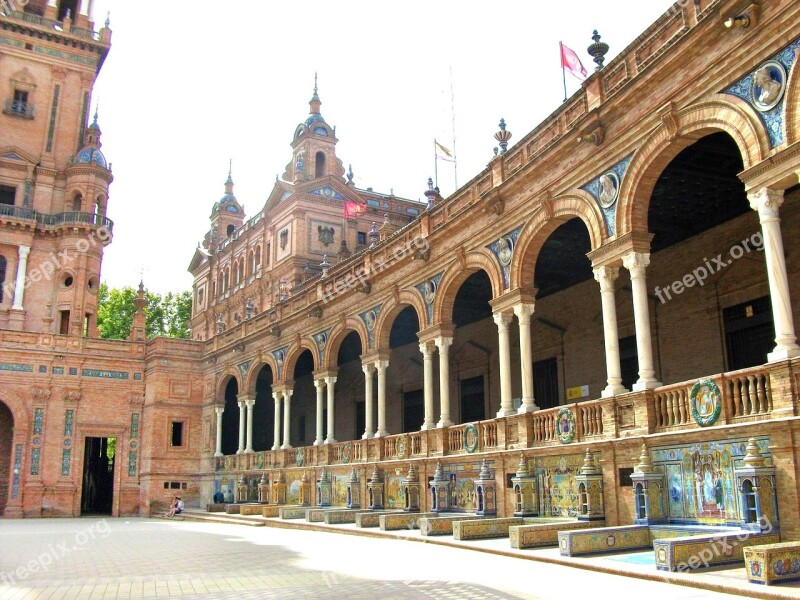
(191, 515)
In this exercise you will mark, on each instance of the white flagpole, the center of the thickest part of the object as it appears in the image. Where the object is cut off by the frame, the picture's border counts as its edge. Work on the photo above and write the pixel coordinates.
(453, 117)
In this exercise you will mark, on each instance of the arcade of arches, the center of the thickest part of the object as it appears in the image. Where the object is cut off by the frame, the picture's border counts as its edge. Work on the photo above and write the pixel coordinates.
(626, 274)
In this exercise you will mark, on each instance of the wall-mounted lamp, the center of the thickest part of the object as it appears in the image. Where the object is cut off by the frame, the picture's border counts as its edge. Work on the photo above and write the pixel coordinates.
(742, 21)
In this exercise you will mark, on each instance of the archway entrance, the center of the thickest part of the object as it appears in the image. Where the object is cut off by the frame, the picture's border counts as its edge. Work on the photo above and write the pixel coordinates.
(98, 475)
(6, 445)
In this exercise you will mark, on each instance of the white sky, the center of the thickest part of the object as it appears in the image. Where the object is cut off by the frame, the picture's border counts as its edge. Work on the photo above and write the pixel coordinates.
(188, 85)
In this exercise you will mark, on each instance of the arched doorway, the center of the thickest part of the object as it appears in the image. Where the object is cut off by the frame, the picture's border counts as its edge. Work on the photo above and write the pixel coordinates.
(6, 449)
(230, 418)
(304, 399)
(474, 343)
(263, 411)
(350, 417)
(404, 348)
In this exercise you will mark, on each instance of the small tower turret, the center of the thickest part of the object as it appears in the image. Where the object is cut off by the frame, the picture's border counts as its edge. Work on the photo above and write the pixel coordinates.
(227, 215)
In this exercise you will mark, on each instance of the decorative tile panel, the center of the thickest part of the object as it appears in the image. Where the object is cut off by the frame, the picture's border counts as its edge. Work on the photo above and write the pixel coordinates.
(66, 455)
(321, 340)
(68, 422)
(503, 250)
(42, 368)
(17, 469)
(134, 425)
(35, 456)
(53, 112)
(370, 319)
(132, 456)
(605, 190)
(38, 421)
(427, 290)
(104, 374)
(58, 370)
(280, 356)
(19, 368)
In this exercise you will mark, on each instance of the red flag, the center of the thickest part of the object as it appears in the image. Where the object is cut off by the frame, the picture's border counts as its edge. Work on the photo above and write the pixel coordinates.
(571, 62)
(442, 153)
(353, 209)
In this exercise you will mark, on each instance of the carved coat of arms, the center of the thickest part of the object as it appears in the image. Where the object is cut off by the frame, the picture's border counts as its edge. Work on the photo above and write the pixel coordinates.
(325, 235)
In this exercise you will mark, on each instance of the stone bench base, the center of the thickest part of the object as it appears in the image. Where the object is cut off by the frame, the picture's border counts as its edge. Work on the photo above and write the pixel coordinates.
(271, 511)
(699, 551)
(214, 507)
(337, 517)
(371, 518)
(317, 515)
(232, 509)
(606, 539)
(292, 512)
(443, 524)
(536, 535)
(251, 509)
(483, 528)
(772, 563)
(403, 520)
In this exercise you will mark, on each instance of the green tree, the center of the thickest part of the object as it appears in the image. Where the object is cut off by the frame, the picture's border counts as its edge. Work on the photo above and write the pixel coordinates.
(166, 315)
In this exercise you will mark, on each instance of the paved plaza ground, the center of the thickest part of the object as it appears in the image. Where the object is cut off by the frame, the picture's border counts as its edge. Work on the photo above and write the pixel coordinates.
(51, 559)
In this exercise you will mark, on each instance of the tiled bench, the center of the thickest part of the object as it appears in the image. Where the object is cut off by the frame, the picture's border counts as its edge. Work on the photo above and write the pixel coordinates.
(606, 539)
(215, 507)
(292, 512)
(483, 528)
(403, 520)
(270, 511)
(372, 517)
(772, 563)
(443, 524)
(698, 551)
(337, 517)
(232, 509)
(317, 514)
(251, 509)
(544, 533)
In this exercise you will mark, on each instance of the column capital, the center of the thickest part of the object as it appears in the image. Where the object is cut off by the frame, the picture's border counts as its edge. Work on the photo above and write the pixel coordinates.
(250, 402)
(443, 343)
(319, 383)
(503, 319)
(381, 365)
(636, 263)
(368, 368)
(330, 380)
(767, 202)
(23, 251)
(287, 393)
(277, 395)
(524, 310)
(606, 276)
(219, 410)
(427, 348)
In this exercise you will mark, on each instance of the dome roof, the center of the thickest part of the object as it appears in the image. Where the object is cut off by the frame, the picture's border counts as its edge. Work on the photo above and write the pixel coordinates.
(314, 118)
(89, 155)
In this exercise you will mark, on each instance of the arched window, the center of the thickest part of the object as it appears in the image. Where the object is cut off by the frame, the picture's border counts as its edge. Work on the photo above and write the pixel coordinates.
(319, 164)
(240, 277)
(641, 501)
(77, 202)
(68, 5)
(2, 276)
(257, 262)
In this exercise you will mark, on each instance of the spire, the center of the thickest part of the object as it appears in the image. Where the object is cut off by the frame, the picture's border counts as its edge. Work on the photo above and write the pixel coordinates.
(315, 102)
(229, 181)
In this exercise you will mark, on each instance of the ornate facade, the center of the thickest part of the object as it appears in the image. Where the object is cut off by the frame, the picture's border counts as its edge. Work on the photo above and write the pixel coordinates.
(625, 274)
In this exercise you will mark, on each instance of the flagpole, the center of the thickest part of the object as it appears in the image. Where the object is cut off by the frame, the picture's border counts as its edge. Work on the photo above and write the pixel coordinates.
(453, 117)
(435, 164)
(563, 73)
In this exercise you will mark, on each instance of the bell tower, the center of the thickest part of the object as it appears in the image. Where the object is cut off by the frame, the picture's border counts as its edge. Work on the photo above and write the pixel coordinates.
(314, 147)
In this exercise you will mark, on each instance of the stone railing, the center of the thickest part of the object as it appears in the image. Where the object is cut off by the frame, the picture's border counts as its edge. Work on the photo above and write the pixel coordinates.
(590, 419)
(747, 393)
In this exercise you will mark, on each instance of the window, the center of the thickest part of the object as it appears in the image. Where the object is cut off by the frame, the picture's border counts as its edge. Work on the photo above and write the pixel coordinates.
(7, 195)
(319, 165)
(67, 6)
(472, 400)
(361, 238)
(176, 434)
(77, 202)
(64, 327)
(231, 229)
(629, 361)
(2, 275)
(20, 104)
(749, 333)
(545, 383)
(413, 410)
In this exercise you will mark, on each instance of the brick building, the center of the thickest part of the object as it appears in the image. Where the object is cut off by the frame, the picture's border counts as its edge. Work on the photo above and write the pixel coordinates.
(625, 274)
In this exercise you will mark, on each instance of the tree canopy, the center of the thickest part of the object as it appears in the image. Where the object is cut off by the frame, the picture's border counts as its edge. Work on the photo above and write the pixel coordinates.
(166, 315)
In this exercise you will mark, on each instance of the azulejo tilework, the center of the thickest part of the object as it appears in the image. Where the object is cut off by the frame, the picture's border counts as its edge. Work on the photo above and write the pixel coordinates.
(470, 438)
(705, 400)
(565, 422)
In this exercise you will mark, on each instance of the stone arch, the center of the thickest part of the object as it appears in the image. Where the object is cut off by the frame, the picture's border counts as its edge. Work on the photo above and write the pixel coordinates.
(791, 106)
(391, 309)
(252, 373)
(457, 273)
(293, 353)
(550, 216)
(19, 412)
(336, 337)
(720, 113)
(226, 375)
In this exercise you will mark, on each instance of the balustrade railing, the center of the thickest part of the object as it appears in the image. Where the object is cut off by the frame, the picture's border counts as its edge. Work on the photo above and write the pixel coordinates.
(590, 419)
(488, 434)
(748, 393)
(415, 440)
(455, 439)
(671, 405)
(544, 425)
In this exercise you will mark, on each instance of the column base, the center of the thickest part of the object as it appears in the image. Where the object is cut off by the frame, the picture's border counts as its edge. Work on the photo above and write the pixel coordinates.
(318, 442)
(427, 426)
(249, 451)
(505, 412)
(613, 390)
(240, 451)
(274, 448)
(380, 433)
(444, 423)
(783, 353)
(285, 446)
(218, 454)
(367, 435)
(649, 384)
(527, 407)
(330, 440)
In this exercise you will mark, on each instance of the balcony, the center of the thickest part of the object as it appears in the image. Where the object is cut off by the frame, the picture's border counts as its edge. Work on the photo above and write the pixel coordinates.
(54, 25)
(19, 108)
(46, 221)
(757, 394)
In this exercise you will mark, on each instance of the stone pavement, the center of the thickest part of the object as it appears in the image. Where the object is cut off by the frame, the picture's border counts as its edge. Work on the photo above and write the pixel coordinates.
(51, 559)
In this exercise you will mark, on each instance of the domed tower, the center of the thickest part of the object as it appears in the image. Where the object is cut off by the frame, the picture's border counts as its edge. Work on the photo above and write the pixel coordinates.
(88, 177)
(314, 147)
(227, 215)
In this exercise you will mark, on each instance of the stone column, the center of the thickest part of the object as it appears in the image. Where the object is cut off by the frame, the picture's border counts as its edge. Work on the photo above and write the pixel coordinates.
(241, 426)
(19, 285)
(443, 344)
(524, 310)
(276, 396)
(320, 385)
(427, 360)
(503, 320)
(330, 382)
(636, 263)
(249, 402)
(768, 202)
(287, 411)
(381, 366)
(369, 370)
(219, 410)
(606, 276)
